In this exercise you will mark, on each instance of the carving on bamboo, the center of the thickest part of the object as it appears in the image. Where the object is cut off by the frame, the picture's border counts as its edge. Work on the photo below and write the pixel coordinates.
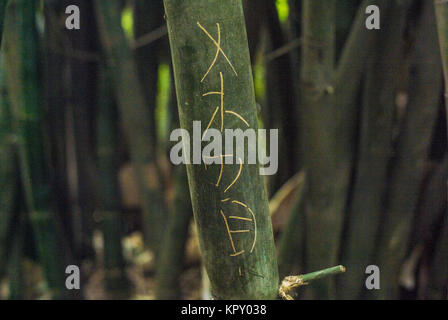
(250, 218)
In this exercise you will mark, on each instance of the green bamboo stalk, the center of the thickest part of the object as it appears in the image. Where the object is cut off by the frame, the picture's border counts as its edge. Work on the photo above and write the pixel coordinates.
(431, 215)
(253, 273)
(8, 171)
(346, 12)
(431, 205)
(375, 149)
(438, 282)
(82, 94)
(27, 117)
(116, 282)
(325, 197)
(280, 98)
(135, 117)
(148, 16)
(351, 65)
(441, 8)
(291, 245)
(54, 65)
(412, 148)
(16, 275)
(3, 4)
(254, 13)
(172, 254)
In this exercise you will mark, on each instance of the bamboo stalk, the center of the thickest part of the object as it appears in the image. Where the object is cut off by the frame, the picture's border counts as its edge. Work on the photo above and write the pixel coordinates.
(54, 65)
(82, 92)
(291, 245)
(325, 197)
(351, 65)
(412, 147)
(346, 13)
(171, 262)
(375, 149)
(280, 111)
(238, 266)
(431, 204)
(3, 4)
(8, 171)
(172, 255)
(148, 16)
(437, 282)
(441, 9)
(329, 126)
(27, 116)
(116, 282)
(135, 117)
(16, 274)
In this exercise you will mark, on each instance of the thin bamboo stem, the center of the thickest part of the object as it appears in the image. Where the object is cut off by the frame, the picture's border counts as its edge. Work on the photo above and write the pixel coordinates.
(290, 283)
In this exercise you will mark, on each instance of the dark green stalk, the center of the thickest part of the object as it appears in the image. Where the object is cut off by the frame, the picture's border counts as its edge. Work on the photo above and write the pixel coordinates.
(16, 275)
(438, 281)
(255, 14)
(82, 91)
(375, 149)
(432, 217)
(148, 16)
(135, 116)
(441, 8)
(21, 54)
(28, 113)
(412, 148)
(325, 196)
(56, 101)
(291, 245)
(351, 65)
(238, 266)
(345, 13)
(3, 4)
(172, 253)
(431, 205)
(280, 112)
(116, 282)
(8, 171)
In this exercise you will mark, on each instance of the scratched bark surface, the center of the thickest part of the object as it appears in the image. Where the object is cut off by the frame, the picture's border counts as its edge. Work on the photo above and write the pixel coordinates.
(240, 265)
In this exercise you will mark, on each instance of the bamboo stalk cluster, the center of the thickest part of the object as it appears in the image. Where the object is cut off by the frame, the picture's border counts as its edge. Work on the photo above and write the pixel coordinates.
(86, 179)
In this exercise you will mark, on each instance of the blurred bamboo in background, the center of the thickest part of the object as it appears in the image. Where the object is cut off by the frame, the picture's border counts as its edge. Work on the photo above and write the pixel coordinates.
(85, 171)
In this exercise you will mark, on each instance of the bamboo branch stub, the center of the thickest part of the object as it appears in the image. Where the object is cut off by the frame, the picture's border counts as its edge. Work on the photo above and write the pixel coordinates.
(292, 282)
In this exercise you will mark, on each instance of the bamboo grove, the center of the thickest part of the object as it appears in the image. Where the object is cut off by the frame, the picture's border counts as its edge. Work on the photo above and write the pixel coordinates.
(88, 111)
